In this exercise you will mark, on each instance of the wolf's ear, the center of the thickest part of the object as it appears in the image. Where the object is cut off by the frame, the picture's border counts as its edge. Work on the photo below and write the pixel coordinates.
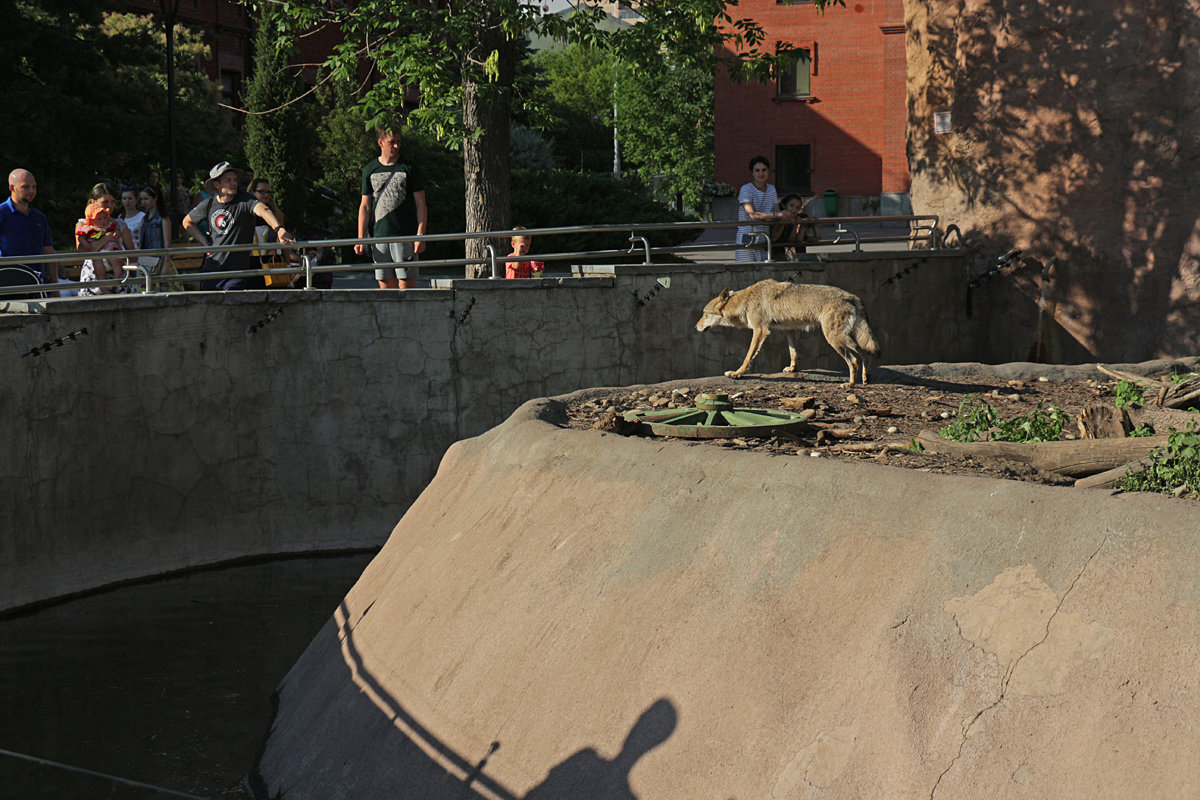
(726, 294)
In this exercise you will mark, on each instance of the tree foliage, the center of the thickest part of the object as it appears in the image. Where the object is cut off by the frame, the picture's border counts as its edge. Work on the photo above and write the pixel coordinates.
(665, 127)
(85, 98)
(280, 137)
(578, 92)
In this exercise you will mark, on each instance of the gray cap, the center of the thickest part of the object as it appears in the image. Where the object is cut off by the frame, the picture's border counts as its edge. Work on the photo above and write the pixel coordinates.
(221, 169)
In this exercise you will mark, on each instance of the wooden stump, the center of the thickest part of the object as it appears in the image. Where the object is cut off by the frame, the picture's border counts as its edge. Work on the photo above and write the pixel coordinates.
(1104, 422)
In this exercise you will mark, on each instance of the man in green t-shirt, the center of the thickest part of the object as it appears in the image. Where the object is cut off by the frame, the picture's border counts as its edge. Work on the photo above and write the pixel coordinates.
(393, 204)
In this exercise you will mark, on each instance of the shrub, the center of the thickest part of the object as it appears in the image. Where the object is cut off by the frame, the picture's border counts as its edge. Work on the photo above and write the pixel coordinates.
(977, 420)
(1171, 467)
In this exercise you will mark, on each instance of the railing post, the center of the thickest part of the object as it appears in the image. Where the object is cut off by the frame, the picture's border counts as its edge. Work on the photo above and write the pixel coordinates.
(492, 257)
(308, 265)
(645, 245)
(766, 240)
(135, 267)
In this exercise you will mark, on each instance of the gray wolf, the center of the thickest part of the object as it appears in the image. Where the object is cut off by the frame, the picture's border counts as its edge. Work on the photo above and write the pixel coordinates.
(789, 307)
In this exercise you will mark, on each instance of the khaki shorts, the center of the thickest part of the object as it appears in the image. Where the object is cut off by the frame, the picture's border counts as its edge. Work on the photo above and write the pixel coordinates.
(386, 252)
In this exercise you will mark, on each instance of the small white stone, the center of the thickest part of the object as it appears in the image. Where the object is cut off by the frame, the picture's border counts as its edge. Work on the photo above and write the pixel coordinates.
(814, 453)
(893, 429)
(944, 415)
(1043, 379)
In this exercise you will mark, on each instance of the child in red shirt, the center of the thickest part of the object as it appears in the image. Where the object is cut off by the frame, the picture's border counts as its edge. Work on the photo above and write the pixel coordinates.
(522, 269)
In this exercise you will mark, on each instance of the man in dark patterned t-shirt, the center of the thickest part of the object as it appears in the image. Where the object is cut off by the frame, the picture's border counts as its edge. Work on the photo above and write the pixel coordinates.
(232, 216)
(393, 204)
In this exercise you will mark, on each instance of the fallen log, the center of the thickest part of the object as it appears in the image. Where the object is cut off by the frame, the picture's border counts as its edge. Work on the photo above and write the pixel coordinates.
(1073, 458)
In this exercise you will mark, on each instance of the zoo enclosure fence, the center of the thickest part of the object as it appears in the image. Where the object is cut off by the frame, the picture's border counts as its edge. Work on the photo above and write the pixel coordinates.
(912, 231)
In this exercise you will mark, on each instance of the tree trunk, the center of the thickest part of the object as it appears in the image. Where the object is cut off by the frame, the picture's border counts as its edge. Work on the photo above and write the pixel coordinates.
(487, 107)
(1076, 459)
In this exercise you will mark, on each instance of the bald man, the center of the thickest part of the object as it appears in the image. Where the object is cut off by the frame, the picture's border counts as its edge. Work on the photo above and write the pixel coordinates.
(23, 229)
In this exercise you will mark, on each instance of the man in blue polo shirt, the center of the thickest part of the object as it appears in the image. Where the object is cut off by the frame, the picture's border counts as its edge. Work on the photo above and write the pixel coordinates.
(23, 229)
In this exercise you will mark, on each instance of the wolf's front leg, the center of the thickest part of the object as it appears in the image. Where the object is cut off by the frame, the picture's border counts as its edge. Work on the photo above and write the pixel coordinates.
(756, 343)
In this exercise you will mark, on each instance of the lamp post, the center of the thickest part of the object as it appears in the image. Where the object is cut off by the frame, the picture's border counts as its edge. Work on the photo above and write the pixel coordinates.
(170, 13)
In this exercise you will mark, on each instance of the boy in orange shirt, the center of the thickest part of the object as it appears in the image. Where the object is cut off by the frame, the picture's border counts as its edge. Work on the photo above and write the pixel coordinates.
(522, 269)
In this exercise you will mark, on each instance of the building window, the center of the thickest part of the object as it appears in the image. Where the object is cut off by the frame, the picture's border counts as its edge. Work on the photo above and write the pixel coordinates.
(794, 73)
(793, 169)
(231, 95)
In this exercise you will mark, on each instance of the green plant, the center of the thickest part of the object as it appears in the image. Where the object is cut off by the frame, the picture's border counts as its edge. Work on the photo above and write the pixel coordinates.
(1036, 426)
(1171, 467)
(978, 420)
(1129, 395)
(915, 446)
(975, 419)
(1141, 430)
(1181, 377)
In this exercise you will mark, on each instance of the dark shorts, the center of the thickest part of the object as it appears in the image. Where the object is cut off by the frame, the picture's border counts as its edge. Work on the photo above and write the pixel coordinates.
(229, 284)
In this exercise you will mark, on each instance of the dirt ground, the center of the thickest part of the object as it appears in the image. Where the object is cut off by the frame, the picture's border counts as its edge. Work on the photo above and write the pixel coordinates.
(878, 422)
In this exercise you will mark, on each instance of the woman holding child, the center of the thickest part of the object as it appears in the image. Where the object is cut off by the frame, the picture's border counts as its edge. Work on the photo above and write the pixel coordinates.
(99, 232)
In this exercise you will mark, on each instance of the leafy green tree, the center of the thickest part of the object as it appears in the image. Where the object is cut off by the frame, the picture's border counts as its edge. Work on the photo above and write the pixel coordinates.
(84, 95)
(579, 84)
(665, 127)
(344, 146)
(280, 139)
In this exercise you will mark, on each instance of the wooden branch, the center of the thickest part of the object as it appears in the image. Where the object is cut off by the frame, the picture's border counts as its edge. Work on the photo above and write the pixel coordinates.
(1109, 478)
(1128, 376)
(1073, 458)
(870, 447)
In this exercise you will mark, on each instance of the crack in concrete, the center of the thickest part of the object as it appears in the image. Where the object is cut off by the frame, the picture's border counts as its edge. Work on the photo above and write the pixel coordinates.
(1012, 667)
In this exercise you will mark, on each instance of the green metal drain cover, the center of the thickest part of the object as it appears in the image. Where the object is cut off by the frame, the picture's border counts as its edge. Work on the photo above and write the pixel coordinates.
(715, 417)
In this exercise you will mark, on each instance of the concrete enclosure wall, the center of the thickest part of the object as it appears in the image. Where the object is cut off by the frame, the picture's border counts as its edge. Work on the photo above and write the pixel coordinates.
(1072, 137)
(570, 614)
(192, 429)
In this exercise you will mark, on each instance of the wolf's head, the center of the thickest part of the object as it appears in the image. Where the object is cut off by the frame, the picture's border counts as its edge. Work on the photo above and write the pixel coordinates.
(714, 312)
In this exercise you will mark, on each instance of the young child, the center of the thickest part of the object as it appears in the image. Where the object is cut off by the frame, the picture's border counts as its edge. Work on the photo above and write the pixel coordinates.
(790, 240)
(522, 269)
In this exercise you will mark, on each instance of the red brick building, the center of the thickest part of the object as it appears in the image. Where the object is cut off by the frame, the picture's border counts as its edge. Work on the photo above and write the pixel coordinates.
(836, 119)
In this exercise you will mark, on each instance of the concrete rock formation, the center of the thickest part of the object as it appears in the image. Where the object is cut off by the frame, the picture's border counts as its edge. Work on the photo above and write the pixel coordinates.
(1073, 135)
(575, 614)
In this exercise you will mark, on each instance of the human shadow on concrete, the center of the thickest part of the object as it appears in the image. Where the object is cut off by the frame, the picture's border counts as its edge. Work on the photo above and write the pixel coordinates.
(587, 774)
(349, 737)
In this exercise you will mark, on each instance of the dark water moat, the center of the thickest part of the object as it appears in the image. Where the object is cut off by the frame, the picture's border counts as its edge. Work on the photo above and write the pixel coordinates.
(165, 683)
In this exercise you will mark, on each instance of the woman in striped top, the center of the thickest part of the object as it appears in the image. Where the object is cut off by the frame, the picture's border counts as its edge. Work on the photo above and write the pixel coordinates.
(757, 202)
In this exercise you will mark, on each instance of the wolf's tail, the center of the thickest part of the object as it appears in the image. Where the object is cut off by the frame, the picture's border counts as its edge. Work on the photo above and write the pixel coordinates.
(861, 331)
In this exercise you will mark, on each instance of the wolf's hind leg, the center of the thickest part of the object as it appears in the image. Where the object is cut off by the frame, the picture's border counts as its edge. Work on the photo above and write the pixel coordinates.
(756, 343)
(844, 346)
(791, 340)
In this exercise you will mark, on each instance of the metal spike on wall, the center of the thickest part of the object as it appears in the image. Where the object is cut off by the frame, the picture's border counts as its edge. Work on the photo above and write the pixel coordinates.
(59, 342)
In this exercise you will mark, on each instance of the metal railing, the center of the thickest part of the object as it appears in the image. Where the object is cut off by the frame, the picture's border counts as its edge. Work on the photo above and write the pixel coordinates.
(922, 228)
